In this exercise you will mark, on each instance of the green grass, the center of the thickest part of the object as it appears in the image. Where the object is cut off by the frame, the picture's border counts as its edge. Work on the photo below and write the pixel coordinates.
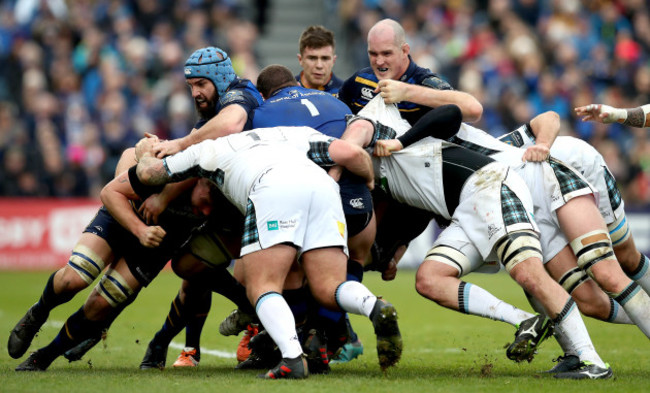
(444, 351)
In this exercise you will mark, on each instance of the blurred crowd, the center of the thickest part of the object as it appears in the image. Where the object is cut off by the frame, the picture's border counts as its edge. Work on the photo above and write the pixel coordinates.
(78, 84)
(82, 80)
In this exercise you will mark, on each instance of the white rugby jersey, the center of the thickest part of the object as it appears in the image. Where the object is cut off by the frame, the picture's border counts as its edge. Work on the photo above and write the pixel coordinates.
(236, 162)
(414, 175)
(570, 150)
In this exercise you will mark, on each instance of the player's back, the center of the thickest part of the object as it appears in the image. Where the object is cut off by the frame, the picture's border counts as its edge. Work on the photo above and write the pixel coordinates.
(298, 106)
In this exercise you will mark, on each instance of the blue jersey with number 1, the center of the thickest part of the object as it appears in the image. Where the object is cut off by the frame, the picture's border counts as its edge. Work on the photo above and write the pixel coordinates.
(298, 106)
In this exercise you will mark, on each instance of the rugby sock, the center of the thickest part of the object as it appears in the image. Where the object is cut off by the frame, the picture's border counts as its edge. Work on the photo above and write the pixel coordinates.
(642, 274)
(174, 323)
(355, 273)
(75, 330)
(636, 304)
(297, 300)
(197, 313)
(617, 314)
(222, 282)
(475, 300)
(564, 343)
(570, 324)
(274, 313)
(50, 299)
(354, 297)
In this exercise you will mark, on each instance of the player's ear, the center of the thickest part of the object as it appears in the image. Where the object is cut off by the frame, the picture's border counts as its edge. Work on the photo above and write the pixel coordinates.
(406, 48)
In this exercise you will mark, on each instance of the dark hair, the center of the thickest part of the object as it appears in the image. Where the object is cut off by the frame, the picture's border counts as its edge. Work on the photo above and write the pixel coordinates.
(274, 77)
(316, 37)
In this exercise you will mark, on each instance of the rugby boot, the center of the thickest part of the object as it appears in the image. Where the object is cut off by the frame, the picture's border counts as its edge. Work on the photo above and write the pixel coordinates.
(587, 371)
(565, 363)
(235, 322)
(243, 351)
(348, 352)
(23, 333)
(77, 352)
(188, 358)
(389, 339)
(315, 348)
(264, 353)
(295, 368)
(36, 361)
(529, 335)
(155, 357)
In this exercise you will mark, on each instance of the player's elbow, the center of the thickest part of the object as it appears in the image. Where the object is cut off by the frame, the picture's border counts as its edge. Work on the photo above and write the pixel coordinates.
(472, 111)
(552, 117)
(104, 195)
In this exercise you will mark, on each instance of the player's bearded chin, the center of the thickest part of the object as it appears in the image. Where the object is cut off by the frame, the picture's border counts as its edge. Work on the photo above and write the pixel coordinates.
(205, 108)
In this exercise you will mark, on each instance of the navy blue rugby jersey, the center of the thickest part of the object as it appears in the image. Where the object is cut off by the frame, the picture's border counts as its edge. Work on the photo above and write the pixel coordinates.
(299, 106)
(359, 89)
(331, 87)
(241, 92)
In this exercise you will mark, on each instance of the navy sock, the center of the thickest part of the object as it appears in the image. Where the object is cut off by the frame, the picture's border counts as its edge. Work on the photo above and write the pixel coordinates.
(49, 299)
(173, 325)
(197, 313)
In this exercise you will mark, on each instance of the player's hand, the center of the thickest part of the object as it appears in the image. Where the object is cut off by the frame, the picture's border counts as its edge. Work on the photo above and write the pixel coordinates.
(144, 146)
(167, 148)
(536, 153)
(384, 147)
(151, 208)
(151, 236)
(391, 271)
(392, 91)
(601, 113)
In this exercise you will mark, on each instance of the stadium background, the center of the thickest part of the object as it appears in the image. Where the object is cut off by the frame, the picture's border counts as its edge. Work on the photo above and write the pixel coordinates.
(78, 84)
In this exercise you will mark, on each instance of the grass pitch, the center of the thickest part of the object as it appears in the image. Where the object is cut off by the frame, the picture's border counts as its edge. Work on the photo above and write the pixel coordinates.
(444, 351)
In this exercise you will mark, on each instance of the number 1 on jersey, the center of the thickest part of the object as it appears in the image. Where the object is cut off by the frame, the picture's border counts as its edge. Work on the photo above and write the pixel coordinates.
(311, 107)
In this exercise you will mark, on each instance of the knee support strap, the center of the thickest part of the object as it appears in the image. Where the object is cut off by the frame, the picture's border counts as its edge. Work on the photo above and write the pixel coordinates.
(113, 288)
(592, 248)
(619, 231)
(517, 247)
(449, 256)
(572, 278)
(86, 263)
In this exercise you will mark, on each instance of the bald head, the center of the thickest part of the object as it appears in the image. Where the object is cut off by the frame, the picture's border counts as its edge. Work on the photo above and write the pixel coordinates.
(388, 29)
(387, 50)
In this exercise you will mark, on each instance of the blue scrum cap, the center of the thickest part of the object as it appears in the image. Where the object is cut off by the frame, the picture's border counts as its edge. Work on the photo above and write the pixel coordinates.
(211, 63)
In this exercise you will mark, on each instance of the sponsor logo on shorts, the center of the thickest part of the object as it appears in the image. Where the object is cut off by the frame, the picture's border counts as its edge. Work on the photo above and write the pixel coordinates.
(281, 224)
(357, 203)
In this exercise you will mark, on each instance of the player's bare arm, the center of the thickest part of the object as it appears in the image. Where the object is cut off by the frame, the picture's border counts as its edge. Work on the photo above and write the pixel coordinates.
(116, 196)
(395, 91)
(546, 128)
(354, 159)
(359, 132)
(633, 117)
(230, 120)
